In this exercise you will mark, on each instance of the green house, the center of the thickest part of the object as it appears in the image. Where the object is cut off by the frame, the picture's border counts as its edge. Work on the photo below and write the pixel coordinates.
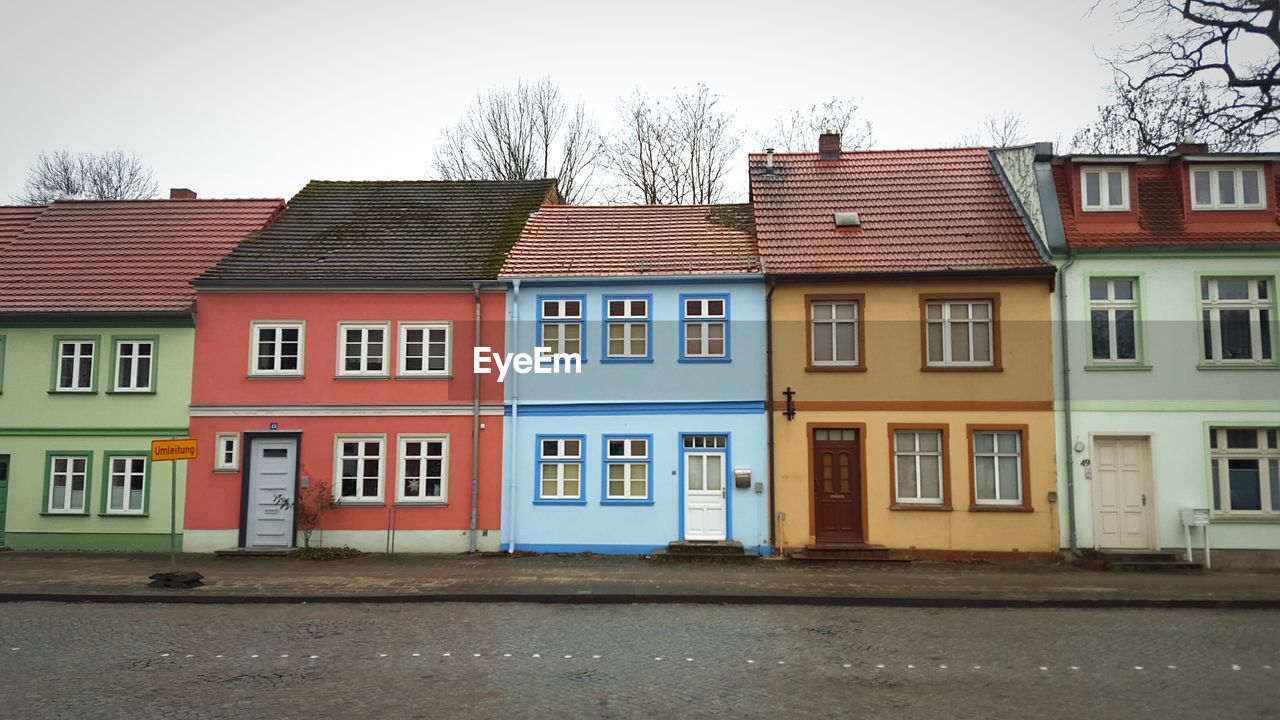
(97, 327)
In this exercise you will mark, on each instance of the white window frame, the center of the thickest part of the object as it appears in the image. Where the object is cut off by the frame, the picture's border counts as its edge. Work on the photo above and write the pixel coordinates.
(426, 327)
(1104, 189)
(831, 332)
(359, 498)
(628, 321)
(128, 476)
(1220, 454)
(76, 361)
(703, 319)
(277, 325)
(562, 459)
(628, 459)
(1111, 305)
(135, 356)
(1237, 171)
(561, 321)
(947, 322)
(69, 474)
(995, 456)
(222, 448)
(401, 474)
(1212, 352)
(914, 456)
(365, 357)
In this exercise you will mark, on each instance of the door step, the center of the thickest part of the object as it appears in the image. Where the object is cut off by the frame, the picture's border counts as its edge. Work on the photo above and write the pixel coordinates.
(1148, 561)
(849, 552)
(256, 552)
(704, 551)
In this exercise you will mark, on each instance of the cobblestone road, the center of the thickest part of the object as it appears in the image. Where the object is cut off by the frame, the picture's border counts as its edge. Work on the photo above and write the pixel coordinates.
(444, 660)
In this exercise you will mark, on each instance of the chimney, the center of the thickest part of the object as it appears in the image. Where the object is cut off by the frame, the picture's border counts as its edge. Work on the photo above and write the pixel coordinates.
(768, 161)
(181, 194)
(1189, 146)
(829, 146)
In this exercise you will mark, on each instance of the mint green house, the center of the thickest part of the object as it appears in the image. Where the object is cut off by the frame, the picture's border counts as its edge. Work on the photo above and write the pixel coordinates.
(97, 327)
(1170, 399)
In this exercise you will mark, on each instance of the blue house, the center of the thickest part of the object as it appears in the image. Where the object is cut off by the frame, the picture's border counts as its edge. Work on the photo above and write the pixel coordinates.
(660, 436)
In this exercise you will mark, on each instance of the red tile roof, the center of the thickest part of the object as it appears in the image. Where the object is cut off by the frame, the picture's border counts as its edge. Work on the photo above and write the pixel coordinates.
(922, 211)
(568, 240)
(1161, 217)
(14, 219)
(135, 256)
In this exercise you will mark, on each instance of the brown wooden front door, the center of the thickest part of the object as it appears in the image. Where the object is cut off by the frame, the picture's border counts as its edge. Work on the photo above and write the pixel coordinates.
(837, 486)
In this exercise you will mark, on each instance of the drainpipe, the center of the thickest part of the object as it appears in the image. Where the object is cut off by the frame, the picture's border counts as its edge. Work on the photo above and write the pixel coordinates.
(1068, 463)
(768, 406)
(514, 469)
(475, 433)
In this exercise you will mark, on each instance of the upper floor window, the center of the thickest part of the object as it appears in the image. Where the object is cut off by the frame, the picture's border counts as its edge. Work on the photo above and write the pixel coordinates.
(960, 333)
(135, 360)
(626, 328)
(75, 365)
(1246, 470)
(1113, 311)
(424, 349)
(277, 349)
(363, 349)
(833, 333)
(1105, 188)
(1228, 188)
(704, 327)
(1235, 315)
(560, 324)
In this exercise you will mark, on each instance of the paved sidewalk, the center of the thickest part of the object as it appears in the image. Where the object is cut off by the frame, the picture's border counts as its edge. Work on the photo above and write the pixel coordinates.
(123, 578)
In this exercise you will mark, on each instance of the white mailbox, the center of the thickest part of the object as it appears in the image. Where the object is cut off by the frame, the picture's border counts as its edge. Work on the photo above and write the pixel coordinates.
(1196, 517)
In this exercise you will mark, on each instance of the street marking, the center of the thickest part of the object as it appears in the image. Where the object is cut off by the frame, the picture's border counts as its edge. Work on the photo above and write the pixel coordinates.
(191, 656)
(1266, 667)
(977, 667)
(1043, 668)
(535, 655)
(450, 655)
(312, 657)
(1235, 667)
(942, 667)
(382, 654)
(417, 654)
(847, 665)
(782, 662)
(911, 667)
(658, 659)
(566, 657)
(15, 649)
(1073, 667)
(253, 656)
(475, 654)
(509, 655)
(688, 659)
(595, 657)
(217, 656)
(161, 654)
(1137, 667)
(1172, 667)
(751, 662)
(880, 666)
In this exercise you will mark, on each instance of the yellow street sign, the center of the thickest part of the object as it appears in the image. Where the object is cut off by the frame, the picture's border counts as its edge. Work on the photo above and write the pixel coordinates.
(184, 449)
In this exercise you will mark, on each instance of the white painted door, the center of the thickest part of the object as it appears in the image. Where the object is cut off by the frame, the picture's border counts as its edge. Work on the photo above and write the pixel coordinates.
(272, 470)
(704, 495)
(1120, 491)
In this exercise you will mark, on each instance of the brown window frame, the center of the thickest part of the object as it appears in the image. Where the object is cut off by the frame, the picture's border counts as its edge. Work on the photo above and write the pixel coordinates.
(945, 429)
(996, 354)
(859, 299)
(1025, 432)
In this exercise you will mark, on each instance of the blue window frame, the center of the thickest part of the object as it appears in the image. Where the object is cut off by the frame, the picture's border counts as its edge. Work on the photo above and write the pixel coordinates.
(704, 328)
(561, 323)
(628, 326)
(559, 470)
(627, 473)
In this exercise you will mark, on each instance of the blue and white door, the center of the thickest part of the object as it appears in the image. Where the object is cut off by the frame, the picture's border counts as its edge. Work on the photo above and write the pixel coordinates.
(704, 490)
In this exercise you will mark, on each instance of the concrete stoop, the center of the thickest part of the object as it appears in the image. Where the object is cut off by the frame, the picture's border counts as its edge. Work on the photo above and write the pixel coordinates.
(1148, 561)
(850, 552)
(704, 551)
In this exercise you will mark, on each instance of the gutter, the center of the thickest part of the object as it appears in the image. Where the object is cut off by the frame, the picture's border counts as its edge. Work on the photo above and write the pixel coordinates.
(768, 381)
(475, 434)
(1068, 463)
(514, 468)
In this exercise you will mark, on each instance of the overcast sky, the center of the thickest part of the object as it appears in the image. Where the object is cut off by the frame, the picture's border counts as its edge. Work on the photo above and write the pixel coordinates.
(252, 99)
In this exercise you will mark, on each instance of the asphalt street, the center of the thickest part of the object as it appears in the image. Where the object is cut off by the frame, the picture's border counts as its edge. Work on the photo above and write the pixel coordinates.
(643, 661)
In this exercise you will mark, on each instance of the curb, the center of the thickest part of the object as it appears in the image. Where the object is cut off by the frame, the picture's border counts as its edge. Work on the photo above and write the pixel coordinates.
(650, 599)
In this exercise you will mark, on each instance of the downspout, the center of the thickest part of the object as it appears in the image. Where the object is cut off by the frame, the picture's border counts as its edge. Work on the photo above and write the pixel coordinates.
(475, 433)
(1068, 463)
(514, 469)
(768, 407)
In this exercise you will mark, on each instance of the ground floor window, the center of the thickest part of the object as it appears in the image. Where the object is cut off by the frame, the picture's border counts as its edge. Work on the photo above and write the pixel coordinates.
(227, 447)
(626, 467)
(560, 468)
(68, 483)
(423, 476)
(126, 484)
(998, 469)
(359, 469)
(1246, 470)
(918, 460)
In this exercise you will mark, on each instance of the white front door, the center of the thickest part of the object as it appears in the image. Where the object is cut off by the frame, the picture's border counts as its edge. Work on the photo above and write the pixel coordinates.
(1120, 491)
(272, 478)
(704, 495)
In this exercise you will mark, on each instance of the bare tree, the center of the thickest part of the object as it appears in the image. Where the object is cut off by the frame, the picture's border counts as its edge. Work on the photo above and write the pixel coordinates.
(673, 150)
(1216, 63)
(1152, 120)
(798, 130)
(523, 133)
(1006, 130)
(110, 175)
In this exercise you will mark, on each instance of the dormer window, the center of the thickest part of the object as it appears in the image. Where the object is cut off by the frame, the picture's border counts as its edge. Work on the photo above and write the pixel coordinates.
(1105, 189)
(1227, 188)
